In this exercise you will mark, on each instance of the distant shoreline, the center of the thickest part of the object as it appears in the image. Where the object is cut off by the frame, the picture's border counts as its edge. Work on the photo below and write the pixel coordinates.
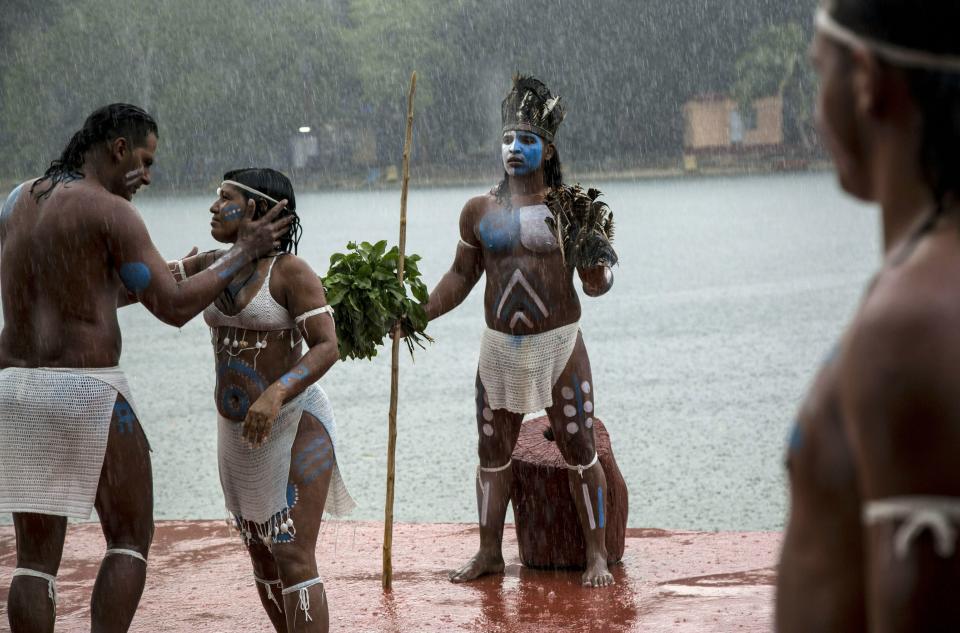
(307, 185)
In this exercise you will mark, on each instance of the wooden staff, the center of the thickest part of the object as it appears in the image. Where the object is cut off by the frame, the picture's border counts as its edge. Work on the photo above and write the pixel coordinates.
(387, 577)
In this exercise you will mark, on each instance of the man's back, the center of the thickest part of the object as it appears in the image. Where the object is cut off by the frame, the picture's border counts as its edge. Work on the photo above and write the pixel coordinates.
(57, 282)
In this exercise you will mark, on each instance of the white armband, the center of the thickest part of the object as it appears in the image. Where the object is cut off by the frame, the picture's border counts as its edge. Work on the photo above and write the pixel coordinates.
(306, 315)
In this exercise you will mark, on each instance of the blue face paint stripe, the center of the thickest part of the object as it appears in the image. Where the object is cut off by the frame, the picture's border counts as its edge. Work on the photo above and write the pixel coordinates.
(600, 506)
(231, 212)
(10, 203)
(135, 276)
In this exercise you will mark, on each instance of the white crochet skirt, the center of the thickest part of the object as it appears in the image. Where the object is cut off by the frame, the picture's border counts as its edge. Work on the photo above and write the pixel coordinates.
(255, 480)
(518, 371)
(54, 424)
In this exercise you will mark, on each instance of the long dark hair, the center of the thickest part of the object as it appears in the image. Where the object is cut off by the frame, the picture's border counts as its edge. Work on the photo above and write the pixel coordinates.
(926, 25)
(552, 177)
(104, 124)
(276, 185)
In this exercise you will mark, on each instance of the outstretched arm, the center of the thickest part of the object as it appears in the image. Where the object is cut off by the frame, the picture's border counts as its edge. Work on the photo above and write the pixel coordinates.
(903, 413)
(465, 272)
(305, 301)
(146, 275)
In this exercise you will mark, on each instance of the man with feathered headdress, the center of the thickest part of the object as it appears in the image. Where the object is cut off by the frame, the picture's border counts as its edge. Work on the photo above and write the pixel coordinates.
(529, 235)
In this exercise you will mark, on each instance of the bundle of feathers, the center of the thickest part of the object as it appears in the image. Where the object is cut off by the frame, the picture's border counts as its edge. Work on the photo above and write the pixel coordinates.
(584, 226)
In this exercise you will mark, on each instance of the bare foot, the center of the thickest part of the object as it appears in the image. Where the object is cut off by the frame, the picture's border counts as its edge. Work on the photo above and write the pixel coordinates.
(481, 564)
(597, 574)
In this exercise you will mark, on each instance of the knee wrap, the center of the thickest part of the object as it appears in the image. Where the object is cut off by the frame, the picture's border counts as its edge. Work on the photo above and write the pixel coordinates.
(125, 552)
(579, 468)
(269, 586)
(51, 581)
(917, 514)
(485, 488)
(301, 588)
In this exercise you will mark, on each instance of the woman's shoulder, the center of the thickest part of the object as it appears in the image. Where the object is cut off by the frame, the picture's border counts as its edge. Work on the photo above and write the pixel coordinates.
(290, 267)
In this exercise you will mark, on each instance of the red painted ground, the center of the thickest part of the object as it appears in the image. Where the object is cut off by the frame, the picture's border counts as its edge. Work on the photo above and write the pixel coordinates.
(199, 580)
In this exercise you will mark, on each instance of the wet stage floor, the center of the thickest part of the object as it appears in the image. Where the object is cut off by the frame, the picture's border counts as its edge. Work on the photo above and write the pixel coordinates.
(200, 580)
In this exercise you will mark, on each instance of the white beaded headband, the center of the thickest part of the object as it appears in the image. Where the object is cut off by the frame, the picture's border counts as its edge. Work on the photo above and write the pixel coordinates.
(246, 188)
(899, 55)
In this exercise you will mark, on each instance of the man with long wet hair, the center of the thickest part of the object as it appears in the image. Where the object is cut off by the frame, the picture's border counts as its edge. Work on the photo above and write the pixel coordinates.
(72, 248)
(875, 491)
(532, 356)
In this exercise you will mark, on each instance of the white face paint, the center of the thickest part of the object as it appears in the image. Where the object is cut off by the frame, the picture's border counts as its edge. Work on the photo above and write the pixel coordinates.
(521, 151)
(134, 178)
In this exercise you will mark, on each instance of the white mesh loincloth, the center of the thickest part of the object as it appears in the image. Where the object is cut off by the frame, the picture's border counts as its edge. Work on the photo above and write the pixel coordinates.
(254, 480)
(54, 424)
(518, 371)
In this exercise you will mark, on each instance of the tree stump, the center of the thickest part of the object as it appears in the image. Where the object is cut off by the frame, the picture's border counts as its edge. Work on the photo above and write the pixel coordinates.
(548, 529)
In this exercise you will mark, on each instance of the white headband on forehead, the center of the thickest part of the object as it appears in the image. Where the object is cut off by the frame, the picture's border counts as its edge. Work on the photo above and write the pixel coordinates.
(238, 185)
(899, 55)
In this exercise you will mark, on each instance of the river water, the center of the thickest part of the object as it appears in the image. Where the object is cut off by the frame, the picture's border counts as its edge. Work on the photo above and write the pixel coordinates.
(729, 293)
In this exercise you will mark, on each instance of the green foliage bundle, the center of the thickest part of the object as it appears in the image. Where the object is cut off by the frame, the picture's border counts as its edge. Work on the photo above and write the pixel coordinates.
(584, 224)
(368, 299)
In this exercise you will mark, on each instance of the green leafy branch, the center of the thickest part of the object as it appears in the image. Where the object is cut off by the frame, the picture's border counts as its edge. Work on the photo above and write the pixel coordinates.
(369, 300)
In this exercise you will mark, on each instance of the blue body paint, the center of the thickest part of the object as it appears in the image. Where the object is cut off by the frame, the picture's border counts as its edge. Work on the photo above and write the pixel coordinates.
(314, 460)
(125, 417)
(231, 212)
(235, 402)
(500, 230)
(600, 518)
(244, 370)
(579, 395)
(525, 303)
(10, 203)
(795, 443)
(531, 153)
(293, 376)
(135, 276)
(230, 270)
(292, 495)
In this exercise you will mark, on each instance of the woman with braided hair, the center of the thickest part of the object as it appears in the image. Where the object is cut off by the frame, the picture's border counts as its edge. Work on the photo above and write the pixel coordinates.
(871, 542)
(276, 432)
(529, 235)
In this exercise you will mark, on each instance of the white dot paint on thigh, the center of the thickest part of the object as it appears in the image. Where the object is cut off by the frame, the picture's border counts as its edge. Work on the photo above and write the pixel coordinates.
(572, 428)
(487, 430)
(569, 410)
(589, 423)
(567, 393)
(588, 406)
(487, 414)
(585, 387)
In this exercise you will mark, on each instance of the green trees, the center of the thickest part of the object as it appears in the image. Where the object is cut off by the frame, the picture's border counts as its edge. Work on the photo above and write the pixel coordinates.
(776, 64)
(230, 83)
